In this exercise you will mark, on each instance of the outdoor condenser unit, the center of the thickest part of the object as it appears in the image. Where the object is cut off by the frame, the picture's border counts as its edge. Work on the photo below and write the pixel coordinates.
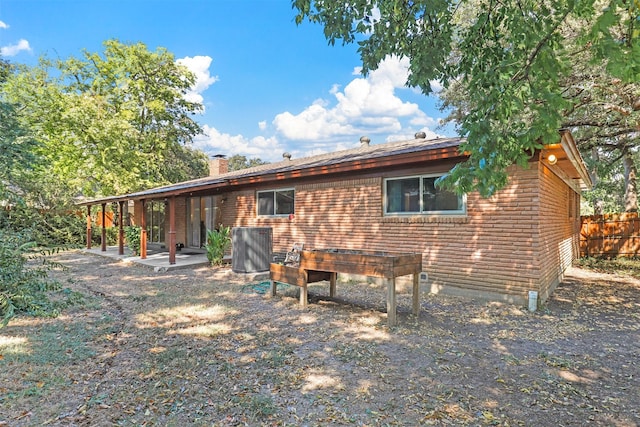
(252, 249)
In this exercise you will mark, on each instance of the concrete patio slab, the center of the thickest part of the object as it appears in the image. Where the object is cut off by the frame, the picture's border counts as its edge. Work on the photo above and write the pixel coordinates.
(157, 259)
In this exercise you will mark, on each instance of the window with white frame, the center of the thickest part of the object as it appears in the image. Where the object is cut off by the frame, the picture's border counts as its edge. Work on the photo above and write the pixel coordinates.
(276, 202)
(420, 195)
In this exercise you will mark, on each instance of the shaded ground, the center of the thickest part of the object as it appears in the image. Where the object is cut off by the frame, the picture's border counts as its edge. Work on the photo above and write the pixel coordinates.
(202, 348)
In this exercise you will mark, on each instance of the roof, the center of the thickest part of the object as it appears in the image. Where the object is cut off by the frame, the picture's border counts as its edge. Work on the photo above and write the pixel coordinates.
(360, 158)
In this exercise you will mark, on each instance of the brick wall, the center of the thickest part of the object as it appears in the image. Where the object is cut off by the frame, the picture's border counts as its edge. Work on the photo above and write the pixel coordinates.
(559, 230)
(521, 239)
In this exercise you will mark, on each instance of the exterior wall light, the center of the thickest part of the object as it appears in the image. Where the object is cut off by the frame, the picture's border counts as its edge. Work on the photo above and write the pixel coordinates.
(552, 159)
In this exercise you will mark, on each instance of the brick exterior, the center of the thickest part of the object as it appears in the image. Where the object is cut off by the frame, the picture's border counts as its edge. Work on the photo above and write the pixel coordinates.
(559, 230)
(521, 239)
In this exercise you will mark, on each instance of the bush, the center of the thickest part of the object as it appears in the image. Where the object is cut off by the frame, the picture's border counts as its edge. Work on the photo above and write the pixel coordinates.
(132, 236)
(218, 241)
(24, 282)
(50, 227)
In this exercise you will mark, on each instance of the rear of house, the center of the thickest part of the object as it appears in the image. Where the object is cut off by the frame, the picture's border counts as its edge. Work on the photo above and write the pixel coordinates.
(383, 197)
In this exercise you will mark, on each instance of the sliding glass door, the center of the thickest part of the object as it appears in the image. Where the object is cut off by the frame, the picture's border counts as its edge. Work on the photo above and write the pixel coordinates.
(201, 216)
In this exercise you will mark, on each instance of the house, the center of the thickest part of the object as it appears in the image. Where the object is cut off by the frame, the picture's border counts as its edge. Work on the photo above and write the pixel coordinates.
(383, 197)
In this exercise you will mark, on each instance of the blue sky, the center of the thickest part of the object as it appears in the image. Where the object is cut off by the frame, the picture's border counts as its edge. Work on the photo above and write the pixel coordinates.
(268, 86)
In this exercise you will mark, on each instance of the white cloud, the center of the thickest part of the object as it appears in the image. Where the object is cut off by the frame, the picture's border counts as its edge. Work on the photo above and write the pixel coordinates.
(262, 125)
(13, 50)
(198, 65)
(214, 142)
(3, 25)
(366, 106)
(436, 86)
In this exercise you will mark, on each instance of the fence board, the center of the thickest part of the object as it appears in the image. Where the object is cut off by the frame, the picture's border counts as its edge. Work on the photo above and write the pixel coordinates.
(610, 235)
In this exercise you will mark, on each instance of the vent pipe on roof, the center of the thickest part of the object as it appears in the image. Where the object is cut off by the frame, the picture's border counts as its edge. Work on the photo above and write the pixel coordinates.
(286, 156)
(420, 135)
(364, 141)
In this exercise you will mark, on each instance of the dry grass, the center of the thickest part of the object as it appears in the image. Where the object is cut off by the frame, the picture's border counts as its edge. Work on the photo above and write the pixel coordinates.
(202, 348)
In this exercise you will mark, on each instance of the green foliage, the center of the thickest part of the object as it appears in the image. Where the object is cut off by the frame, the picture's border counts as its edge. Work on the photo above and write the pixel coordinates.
(132, 236)
(509, 57)
(238, 162)
(110, 122)
(24, 283)
(45, 208)
(218, 242)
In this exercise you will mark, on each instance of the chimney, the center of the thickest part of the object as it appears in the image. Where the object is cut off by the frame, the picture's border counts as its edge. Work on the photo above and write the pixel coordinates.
(218, 165)
(286, 156)
(364, 141)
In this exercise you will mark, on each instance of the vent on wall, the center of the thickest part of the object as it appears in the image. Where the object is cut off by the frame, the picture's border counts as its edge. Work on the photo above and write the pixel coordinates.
(252, 249)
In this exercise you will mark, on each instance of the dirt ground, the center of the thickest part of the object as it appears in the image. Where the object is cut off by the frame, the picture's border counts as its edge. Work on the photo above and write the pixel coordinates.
(204, 347)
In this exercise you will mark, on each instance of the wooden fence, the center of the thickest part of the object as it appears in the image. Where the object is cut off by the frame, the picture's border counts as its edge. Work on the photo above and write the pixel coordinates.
(610, 235)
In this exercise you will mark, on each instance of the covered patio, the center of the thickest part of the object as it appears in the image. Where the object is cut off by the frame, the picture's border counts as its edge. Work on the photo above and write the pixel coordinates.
(156, 258)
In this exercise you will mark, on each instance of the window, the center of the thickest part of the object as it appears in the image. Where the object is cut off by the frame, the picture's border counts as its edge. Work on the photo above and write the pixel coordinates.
(155, 221)
(276, 202)
(420, 195)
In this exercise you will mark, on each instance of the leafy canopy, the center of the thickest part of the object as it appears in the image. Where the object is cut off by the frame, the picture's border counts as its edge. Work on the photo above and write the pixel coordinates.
(507, 55)
(238, 161)
(110, 122)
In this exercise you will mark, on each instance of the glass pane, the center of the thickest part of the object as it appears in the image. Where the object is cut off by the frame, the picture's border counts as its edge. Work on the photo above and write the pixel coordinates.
(209, 211)
(403, 195)
(160, 220)
(194, 222)
(436, 199)
(284, 202)
(265, 203)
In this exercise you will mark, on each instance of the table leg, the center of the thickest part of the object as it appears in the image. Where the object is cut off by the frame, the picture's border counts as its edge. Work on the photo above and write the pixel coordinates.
(273, 288)
(332, 285)
(391, 302)
(416, 295)
(303, 288)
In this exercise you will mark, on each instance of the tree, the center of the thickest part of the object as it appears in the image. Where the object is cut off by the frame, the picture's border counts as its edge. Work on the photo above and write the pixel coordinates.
(509, 57)
(237, 162)
(603, 113)
(16, 147)
(111, 123)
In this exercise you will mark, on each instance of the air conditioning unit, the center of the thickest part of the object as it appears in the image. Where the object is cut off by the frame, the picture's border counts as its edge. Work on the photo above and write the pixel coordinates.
(252, 249)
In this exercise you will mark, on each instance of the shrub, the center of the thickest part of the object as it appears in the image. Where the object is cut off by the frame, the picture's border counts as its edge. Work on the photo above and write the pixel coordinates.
(24, 282)
(218, 241)
(50, 227)
(132, 235)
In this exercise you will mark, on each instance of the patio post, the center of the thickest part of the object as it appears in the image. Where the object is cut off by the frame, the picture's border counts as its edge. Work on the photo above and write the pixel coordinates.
(172, 230)
(88, 226)
(120, 228)
(103, 236)
(143, 231)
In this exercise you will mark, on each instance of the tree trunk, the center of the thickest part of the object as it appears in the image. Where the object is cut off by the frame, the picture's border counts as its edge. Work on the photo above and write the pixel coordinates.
(598, 204)
(630, 186)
